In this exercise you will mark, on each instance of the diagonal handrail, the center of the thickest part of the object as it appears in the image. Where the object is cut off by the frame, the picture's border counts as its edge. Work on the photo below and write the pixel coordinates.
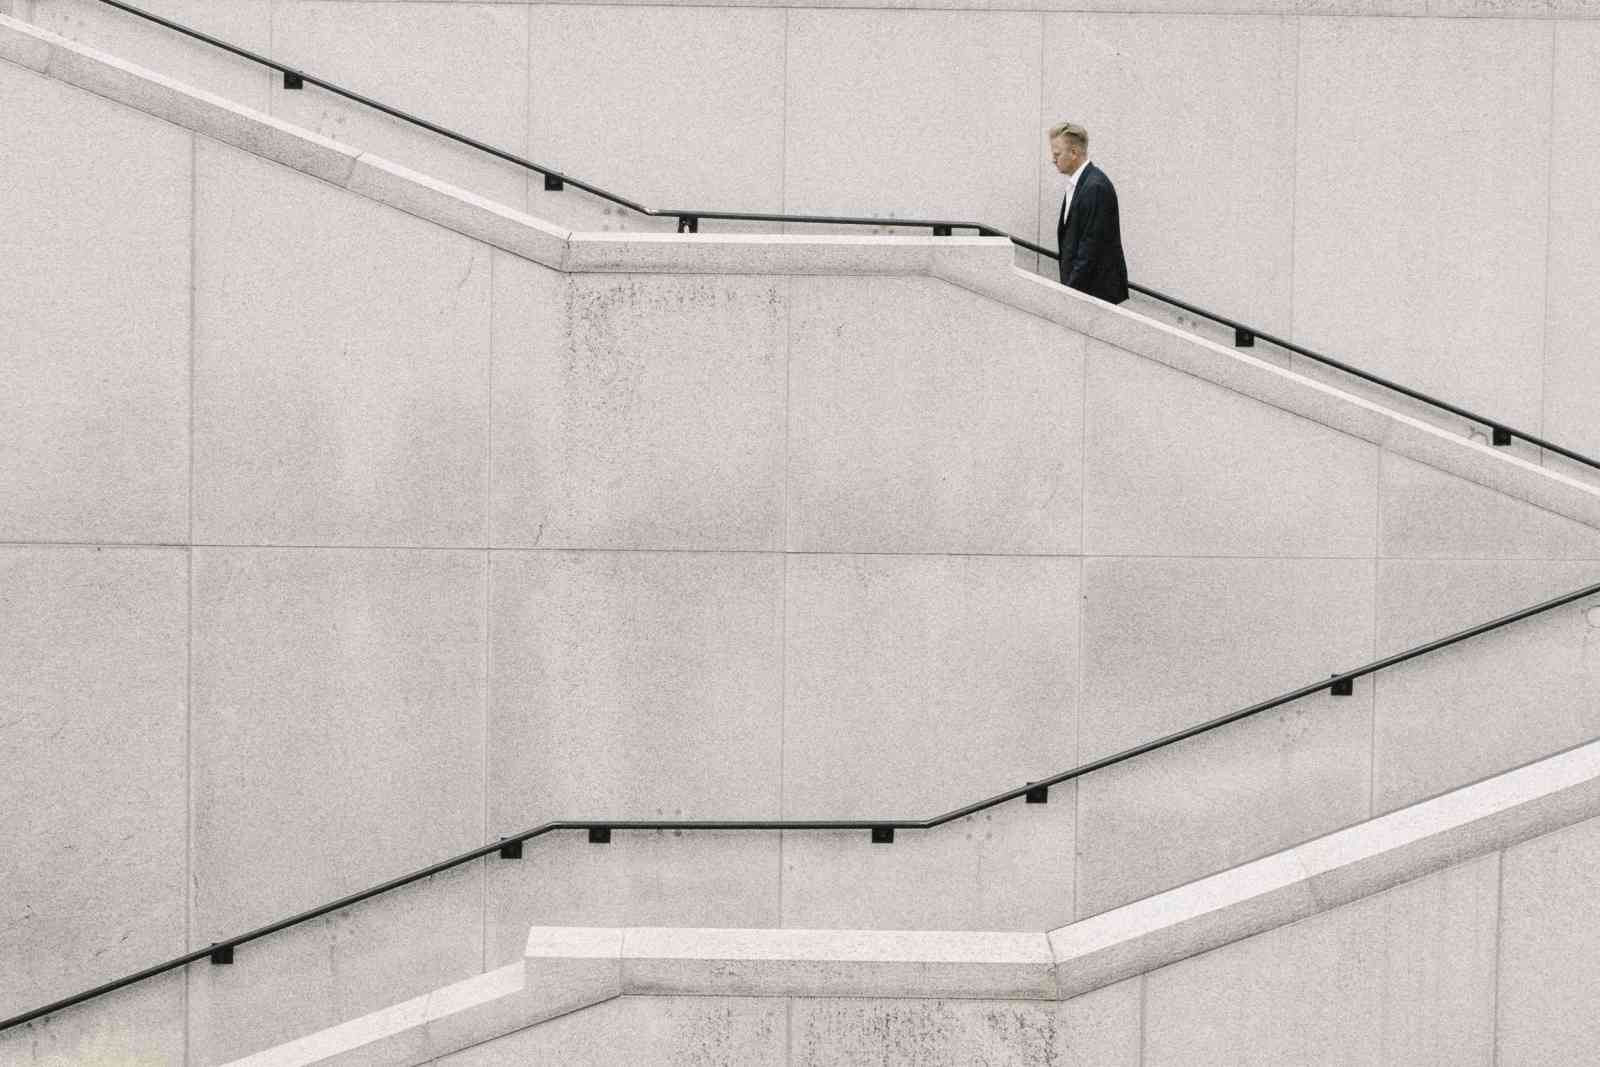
(1501, 433)
(882, 830)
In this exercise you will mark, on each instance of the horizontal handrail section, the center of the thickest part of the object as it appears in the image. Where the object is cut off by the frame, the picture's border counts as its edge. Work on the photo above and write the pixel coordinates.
(1501, 433)
(882, 830)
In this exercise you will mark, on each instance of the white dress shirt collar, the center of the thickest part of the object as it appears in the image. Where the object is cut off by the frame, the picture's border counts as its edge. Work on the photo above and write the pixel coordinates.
(1072, 187)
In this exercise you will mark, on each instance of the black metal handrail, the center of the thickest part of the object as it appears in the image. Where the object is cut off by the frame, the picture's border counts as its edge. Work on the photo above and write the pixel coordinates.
(882, 830)
(1501, 433)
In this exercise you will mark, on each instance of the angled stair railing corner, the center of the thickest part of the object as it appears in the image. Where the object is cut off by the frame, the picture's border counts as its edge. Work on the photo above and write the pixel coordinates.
(1501, 433)
(881, 831)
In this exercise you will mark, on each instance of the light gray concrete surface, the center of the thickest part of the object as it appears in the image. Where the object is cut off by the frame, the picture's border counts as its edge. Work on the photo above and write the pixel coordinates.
(797, 962)
(643, 686)
(1205, 179)
(949, 425)
(692, 118)
(328, 971)
(638, 411)
(917, 684)
(1571, 393)
(94, 274)
(243, 275)
(1549, 949)
(1204, 914)
(956, 675)
(1099, 1030)
(1428, 514)
(140, 1027)
(1416, 255)
(1474, 709)
(1221, 799)
(1009, 868)
(959, 87)
(1168, 643)
(460, 66)
(414, 1030)
(1329, 990)
(691, 1031)
(1280, 909)
(338, 740)
(1178, 466)
(93, 722)
(341, 367)
(246, 23)
(1172, 643)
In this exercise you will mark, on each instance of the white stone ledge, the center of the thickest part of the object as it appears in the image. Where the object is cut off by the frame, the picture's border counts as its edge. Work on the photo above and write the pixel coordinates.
(569, 968)
(1322, 874)
(417, 1030)
(981, 265)
(1438, 9)
(831, 963)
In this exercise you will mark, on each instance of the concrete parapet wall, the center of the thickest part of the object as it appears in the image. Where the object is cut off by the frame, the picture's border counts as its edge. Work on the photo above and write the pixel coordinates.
(1409, 936)
(1306, 167)
(377, 521)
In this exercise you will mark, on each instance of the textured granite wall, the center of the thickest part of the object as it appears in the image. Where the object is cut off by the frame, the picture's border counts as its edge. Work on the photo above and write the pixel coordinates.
(336, 542)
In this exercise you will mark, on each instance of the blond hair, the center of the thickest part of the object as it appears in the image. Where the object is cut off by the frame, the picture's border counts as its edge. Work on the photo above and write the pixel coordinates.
(1071, 132)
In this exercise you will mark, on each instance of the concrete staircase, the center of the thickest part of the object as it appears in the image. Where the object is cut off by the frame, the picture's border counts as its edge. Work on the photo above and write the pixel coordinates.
(1387, 934)
(732, 526)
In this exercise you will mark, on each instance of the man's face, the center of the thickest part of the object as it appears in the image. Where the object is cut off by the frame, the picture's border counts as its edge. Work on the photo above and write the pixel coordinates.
(1065, 154)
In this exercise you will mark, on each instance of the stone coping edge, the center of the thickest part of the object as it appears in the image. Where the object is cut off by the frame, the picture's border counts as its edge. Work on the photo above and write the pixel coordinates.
(1329, 871)
(566, 969)
(982, 265)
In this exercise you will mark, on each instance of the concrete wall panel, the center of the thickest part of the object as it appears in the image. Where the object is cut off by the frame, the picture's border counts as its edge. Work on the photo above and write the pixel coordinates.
(341, 367)
(1171, 643)
(328, 971)
(1430, 514)
(93, 718)
(1403, 977)
(1222, 799)
(1550, 949)
(1421, 202)
(957, 673)
(1205, 179)
(338, 740)
(246, 23)
(460, 66)
(1009, 868)
(873, 96)
(644, 686)
(94, 341)
(1490, 703)
(925, 419)
(687, 1031)
(917, 684)
(1168, 643)
(1098, 1030)
(1571, 387)
(638, 411)
(138, 1027)
(692, 115)
(1176, 466)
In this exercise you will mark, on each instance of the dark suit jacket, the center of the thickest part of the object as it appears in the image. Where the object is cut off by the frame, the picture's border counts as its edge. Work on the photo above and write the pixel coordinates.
(1090, 239)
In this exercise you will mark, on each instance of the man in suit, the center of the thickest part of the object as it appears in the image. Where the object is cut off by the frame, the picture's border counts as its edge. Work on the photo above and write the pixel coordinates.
(1088, 232)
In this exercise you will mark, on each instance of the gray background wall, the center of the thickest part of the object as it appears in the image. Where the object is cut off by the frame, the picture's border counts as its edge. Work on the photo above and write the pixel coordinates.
(1405, 184)
(336, 542)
